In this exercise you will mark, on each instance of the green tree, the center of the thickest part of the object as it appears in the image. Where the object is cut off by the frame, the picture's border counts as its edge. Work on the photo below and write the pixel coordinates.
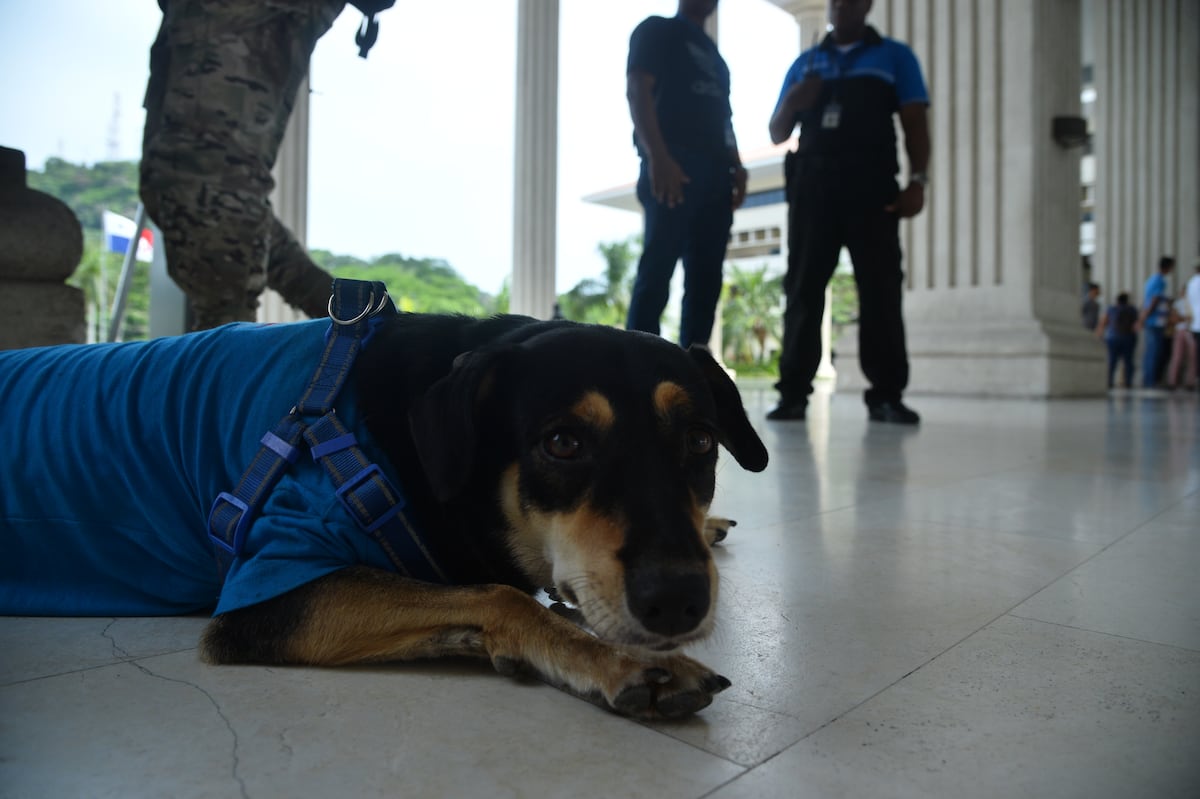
(421, 285)
(417, 284)
(90, 190)
(844, 295)
(752, 313)
(605, 300)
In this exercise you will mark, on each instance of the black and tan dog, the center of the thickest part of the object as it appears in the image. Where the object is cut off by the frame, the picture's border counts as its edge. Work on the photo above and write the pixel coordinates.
(533, 454)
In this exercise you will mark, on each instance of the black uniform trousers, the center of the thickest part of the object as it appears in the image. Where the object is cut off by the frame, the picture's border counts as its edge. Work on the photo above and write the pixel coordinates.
(830, 208)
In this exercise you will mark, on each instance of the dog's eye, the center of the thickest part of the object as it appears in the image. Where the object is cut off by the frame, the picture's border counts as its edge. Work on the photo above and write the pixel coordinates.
(699, 442)
(562, 445)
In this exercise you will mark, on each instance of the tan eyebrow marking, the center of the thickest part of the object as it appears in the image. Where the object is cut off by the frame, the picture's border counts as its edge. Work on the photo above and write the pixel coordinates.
(595, 409)
(669, 397)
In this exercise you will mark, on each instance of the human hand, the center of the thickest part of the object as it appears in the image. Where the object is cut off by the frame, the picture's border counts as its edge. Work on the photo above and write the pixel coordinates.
(739, 186)
(803, 95)
(908, 202)
(666, 180)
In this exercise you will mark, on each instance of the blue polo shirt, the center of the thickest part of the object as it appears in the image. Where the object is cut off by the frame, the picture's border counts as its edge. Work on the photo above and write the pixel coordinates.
(113, 453)
(691, 84)
(1156, 286)
(867, 83)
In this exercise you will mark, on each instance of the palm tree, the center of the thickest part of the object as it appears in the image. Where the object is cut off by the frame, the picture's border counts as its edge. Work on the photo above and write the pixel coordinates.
(605, 300)
(753, 312)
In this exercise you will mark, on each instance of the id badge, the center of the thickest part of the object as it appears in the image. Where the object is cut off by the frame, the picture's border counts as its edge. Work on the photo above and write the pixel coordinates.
(832, 116)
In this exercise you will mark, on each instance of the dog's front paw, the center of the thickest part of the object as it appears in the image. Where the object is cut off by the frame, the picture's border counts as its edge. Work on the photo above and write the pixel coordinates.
(716, 528)
(672, 688)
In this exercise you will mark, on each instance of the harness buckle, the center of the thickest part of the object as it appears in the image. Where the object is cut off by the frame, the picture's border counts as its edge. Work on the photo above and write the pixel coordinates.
(243, 516)
(366, 501)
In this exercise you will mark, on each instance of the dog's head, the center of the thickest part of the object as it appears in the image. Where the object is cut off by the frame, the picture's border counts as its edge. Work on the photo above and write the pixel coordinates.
(600, 447)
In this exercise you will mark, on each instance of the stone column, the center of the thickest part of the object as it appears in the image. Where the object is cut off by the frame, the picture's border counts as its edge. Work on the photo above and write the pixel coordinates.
(41, 243)
(535, 181)
(290, 198)
(993, 262)
(1147, 150)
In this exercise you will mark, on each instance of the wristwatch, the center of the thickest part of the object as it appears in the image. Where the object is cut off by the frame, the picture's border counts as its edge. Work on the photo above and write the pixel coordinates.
(919, 177)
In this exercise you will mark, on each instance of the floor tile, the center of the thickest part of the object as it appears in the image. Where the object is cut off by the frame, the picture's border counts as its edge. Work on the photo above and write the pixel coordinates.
(172, 726)
(1022, 709)
(819, 616)
(1144, 586)
(35, 647)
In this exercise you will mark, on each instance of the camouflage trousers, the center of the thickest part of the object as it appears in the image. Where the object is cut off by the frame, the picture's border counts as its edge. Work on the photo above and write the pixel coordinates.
(223, 81)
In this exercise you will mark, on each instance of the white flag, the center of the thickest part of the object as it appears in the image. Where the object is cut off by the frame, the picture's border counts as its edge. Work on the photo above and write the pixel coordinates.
(118, 230)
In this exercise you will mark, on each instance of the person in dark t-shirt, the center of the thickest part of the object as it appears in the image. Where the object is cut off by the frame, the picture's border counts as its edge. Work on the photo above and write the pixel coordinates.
(691, 177)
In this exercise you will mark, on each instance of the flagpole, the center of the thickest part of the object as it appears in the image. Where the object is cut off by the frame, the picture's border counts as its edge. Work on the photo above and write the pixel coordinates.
(124, 281)
(102, 290)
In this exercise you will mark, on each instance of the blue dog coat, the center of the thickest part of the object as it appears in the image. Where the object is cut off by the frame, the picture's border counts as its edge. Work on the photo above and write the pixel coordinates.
(113, 453)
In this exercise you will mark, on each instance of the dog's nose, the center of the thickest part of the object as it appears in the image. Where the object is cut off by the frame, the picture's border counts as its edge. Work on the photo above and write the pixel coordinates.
(668, 604)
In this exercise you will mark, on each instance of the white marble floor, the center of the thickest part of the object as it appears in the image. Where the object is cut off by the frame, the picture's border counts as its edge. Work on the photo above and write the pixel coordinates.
(1002, 603)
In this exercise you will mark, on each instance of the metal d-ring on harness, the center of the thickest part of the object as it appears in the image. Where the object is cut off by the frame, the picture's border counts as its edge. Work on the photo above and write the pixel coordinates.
(376, 505)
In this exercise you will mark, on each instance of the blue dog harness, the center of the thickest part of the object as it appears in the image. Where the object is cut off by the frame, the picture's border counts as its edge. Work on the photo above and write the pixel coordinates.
(370, 499)
(113, 454)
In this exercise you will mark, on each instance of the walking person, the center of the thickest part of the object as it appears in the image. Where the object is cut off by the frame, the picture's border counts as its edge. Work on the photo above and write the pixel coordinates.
(842, 192)
(1156, 305)
(1118, 326)
(1193, 297)
(1090, 310)
(691, 177)
(1183, 344)
(223, 81)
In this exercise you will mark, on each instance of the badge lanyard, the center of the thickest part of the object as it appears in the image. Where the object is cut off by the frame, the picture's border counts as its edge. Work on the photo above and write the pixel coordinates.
(831, 117)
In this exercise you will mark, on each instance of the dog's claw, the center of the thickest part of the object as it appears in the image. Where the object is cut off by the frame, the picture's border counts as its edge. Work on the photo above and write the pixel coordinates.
(715, 683)
(716, 529)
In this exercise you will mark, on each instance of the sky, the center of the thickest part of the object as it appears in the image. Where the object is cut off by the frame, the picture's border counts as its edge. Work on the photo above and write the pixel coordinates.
(410, 150)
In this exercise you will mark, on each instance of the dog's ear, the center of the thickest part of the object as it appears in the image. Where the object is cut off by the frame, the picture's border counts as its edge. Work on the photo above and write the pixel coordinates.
(444, 422)
(737, 435)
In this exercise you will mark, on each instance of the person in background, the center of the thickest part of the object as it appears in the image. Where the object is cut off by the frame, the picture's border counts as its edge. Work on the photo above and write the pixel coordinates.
(1156, 304)
(1193, 297)
(1091, 307)
(1118, 327)
(1183, 344)
(223, 81)
(691, 177)
(842, 192)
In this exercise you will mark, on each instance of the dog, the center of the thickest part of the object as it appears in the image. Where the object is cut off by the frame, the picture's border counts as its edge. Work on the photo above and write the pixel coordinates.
(531, 454)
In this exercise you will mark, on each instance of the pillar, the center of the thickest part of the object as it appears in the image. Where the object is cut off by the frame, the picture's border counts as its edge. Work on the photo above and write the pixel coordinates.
(535, 182)
(41, 244)
(1147, 150)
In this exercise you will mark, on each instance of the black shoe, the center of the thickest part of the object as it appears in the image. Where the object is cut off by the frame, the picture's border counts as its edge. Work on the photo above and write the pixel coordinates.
(788, 412)
(894, 412)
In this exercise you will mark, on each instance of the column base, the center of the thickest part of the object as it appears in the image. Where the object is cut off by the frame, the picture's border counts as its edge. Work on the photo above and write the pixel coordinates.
(40, 314)
(1042, 360)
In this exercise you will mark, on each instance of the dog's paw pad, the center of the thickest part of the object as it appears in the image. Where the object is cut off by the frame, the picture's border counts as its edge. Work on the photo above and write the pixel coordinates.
(685, 704)
(510, 667)
(635, 700)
